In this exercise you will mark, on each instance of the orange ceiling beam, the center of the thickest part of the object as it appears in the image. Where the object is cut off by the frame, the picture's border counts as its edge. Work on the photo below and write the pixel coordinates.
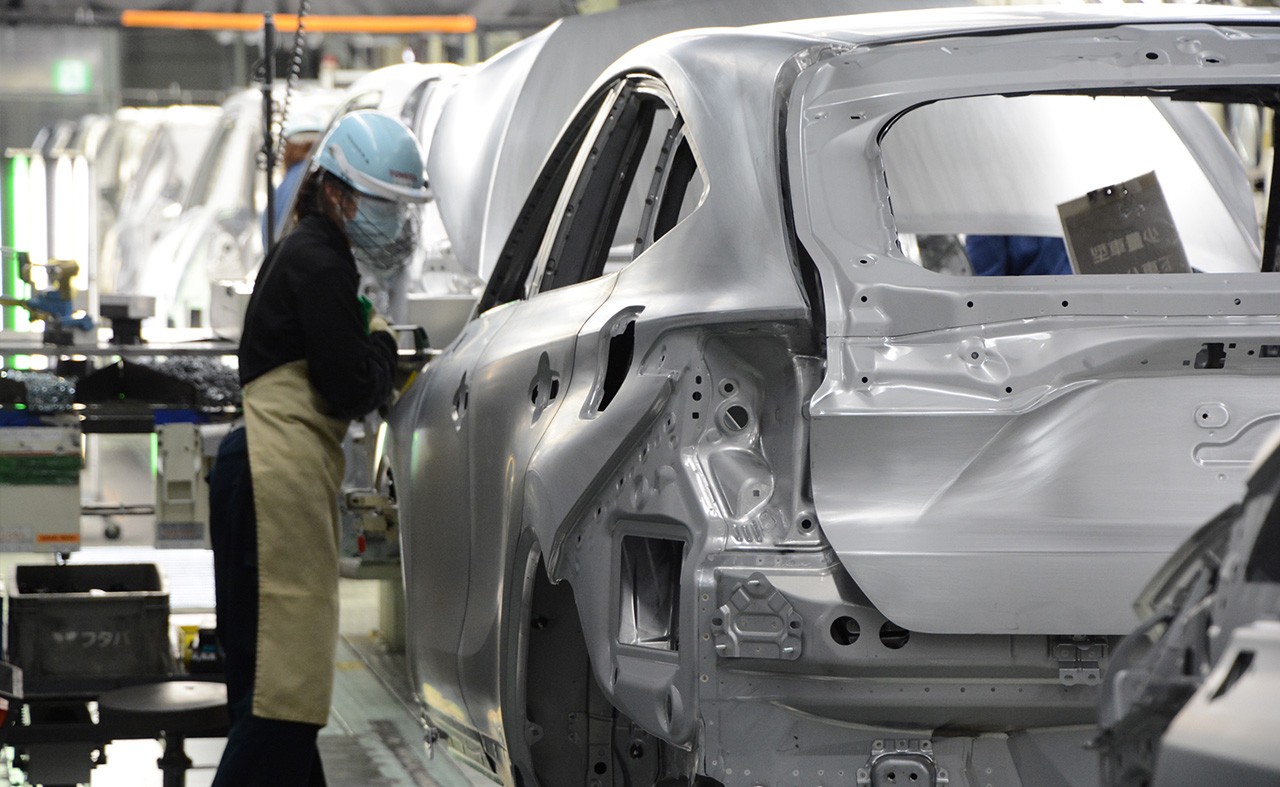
(386, 25)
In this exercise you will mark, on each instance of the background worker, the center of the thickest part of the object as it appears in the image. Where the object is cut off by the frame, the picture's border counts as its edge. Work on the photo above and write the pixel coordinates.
(1017, 255)
(299, 135)
(310, 361)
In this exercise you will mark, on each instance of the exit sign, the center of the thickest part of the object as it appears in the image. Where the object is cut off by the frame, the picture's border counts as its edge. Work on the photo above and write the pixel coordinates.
(72, 76)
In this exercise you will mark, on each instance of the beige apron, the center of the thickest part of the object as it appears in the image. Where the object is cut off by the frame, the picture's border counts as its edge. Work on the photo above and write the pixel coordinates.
(296, 461)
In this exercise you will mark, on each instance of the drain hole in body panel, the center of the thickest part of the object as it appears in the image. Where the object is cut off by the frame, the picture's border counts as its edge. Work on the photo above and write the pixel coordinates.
(1212, 355)
(893, 636)
(845, 630)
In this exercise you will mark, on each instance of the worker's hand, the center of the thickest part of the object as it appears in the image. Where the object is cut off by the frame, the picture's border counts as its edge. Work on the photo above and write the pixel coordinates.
(366, 311)
(372, 320)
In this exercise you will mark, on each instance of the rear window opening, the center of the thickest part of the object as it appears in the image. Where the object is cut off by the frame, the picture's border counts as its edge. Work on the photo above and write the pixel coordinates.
(1061, 184)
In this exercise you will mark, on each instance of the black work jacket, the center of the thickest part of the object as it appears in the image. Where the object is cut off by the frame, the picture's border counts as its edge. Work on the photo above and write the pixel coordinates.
(304, 306)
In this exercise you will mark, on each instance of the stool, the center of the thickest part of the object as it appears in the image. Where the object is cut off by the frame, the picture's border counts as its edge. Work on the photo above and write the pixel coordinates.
(171, 711)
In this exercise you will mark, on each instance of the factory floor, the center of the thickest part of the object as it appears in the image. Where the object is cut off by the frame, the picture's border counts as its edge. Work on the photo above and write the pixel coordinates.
(373, 738)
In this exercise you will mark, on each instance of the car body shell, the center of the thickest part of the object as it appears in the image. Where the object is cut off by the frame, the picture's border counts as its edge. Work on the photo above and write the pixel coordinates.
(217, 235)
(155, 192)
(524, 95)
(818, 509)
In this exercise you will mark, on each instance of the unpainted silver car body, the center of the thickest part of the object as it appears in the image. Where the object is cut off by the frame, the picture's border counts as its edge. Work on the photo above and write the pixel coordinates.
(218, 235)
(112, 145)
(725, 481)
(155, 193)
(497, 129)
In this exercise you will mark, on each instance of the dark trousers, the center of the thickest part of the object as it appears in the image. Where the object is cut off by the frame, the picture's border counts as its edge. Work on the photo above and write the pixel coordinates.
(260, 751)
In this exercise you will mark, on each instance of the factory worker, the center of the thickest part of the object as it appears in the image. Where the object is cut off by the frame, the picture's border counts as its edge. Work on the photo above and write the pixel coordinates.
(311, 359)
(299, 135)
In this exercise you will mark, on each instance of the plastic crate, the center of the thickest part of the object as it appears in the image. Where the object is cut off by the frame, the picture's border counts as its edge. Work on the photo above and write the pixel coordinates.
(88, 628)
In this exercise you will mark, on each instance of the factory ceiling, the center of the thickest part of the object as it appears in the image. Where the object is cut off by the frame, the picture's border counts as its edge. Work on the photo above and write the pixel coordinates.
(109, 11)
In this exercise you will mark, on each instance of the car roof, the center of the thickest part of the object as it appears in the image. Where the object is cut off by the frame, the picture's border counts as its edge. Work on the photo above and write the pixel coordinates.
(542, 80)
(744, 63)
(881, 27)
(767, 46)
(558, 69)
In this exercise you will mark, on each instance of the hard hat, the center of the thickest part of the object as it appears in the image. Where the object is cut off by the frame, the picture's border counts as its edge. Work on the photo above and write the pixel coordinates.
(302, 123)
(376, 155)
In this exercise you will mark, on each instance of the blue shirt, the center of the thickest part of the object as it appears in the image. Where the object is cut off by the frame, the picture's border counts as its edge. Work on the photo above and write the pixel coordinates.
(1016, 255)
(283, 196)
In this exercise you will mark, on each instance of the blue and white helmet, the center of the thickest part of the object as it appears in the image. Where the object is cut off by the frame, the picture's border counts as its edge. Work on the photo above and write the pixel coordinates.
(377, 155)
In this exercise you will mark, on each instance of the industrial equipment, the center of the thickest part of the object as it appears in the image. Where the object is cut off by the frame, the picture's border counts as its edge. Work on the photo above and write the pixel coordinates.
(39, 485)
(55, 303)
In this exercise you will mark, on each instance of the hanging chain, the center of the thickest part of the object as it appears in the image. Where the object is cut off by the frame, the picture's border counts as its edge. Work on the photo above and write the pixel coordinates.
(295, 73)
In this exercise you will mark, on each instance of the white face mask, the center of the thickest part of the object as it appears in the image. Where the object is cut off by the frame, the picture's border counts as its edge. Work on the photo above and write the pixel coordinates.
(376, 224)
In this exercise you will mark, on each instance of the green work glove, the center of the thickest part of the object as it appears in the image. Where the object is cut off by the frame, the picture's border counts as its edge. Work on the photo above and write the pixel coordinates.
(366, 312)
